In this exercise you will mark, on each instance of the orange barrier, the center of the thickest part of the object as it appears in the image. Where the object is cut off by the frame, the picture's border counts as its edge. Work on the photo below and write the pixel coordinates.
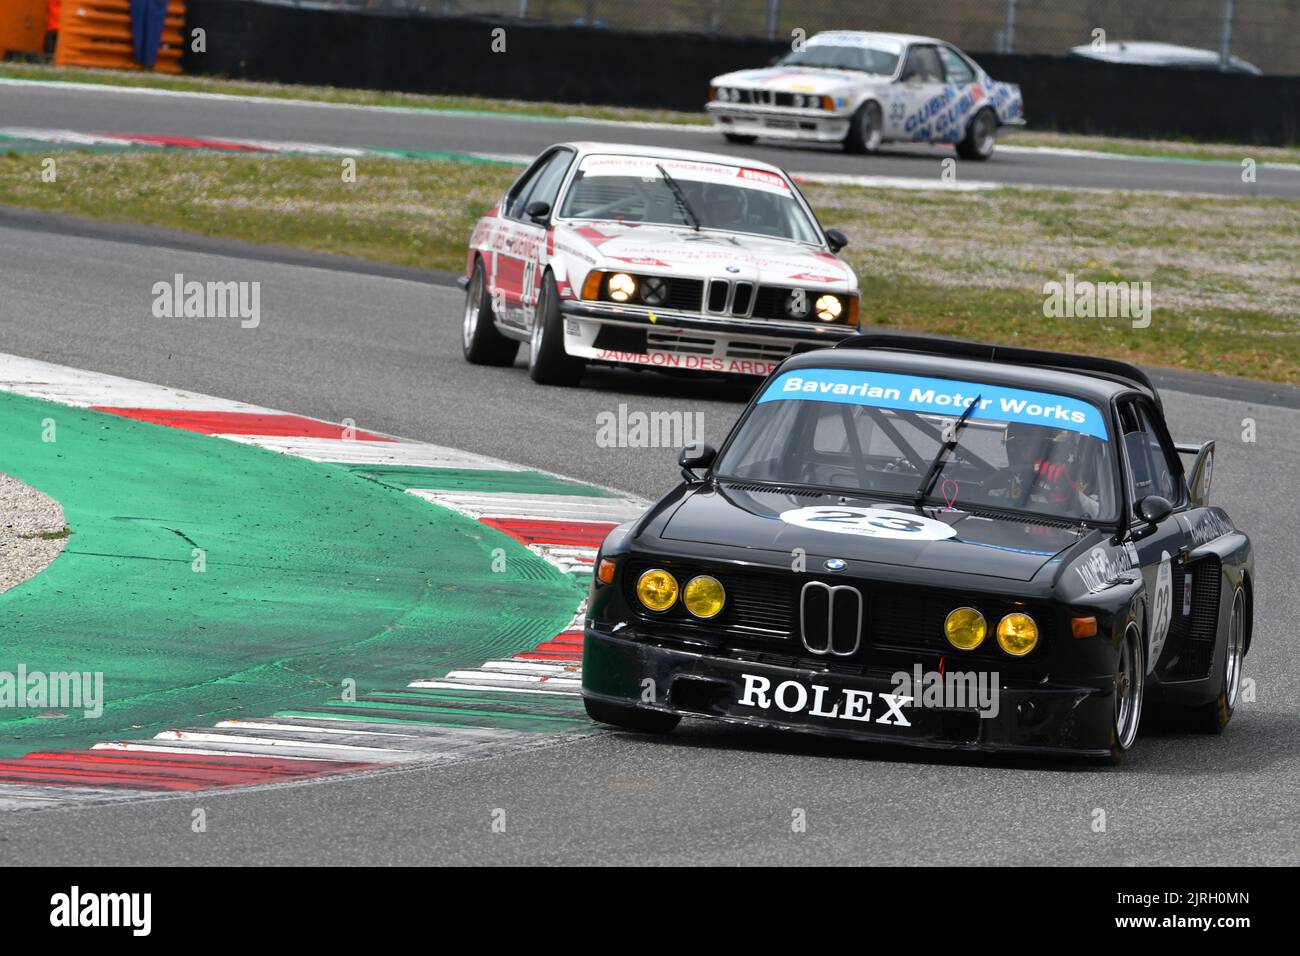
(97, 33)
(22, 27)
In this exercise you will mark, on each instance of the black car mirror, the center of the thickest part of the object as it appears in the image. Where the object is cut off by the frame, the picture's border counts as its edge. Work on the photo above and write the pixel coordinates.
(1154, 509)
(695, 456)
(538, 210)
(836, 239)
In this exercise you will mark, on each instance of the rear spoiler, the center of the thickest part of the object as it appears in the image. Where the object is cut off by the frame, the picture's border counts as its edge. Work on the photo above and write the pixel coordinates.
(1009, 354)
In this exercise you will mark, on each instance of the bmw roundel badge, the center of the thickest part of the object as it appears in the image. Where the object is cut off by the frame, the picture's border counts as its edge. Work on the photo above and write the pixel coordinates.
(835, 564)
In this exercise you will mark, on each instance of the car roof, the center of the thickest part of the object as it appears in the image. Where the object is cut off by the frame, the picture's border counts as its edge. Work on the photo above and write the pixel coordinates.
(904, 38)
(1096, 388)
(629, 149)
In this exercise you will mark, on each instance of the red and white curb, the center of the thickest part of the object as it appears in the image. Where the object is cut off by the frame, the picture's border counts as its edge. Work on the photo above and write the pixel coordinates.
(565, 530)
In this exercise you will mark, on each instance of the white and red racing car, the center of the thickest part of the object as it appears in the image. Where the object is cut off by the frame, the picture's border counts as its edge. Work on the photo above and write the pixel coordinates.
(864, 89)
(658, 258)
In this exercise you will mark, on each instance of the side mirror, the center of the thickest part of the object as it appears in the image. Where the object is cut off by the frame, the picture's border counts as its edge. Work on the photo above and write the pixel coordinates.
(538, 211)
(836, 239)
(1153, 509)
(695, 456)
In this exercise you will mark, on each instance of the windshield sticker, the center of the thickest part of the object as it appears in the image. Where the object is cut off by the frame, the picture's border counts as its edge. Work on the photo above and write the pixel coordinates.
(870, 523)
(939, 396)
(647, 167)
(883, 44)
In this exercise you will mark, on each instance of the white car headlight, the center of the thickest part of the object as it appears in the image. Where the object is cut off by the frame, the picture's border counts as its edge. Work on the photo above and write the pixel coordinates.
(829, 307)
(621, 287)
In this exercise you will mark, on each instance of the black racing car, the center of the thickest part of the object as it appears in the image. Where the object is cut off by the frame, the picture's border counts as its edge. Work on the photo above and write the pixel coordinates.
(945, 544)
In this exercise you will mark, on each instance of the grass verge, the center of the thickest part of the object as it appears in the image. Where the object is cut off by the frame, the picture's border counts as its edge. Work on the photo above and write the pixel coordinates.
(1224, 273)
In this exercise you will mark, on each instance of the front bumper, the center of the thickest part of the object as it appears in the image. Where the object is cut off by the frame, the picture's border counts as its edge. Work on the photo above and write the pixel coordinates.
(1043, 718)
(813, 126)
(603, 332)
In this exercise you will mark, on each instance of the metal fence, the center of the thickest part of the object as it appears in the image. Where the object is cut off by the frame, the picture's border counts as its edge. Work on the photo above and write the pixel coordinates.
(1263, 32)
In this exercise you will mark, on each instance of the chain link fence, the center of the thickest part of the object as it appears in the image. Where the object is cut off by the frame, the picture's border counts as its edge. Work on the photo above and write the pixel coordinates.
(1263, 32)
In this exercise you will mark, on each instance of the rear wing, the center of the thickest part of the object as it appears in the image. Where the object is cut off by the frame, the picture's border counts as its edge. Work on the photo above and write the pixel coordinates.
(1112, 369)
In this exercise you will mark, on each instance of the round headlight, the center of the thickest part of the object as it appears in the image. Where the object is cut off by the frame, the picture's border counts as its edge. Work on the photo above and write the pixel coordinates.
(965, 628)
(657, 589)
(621, 287)
(704, 596)
(829, 308)
(1017, 634)
(654, 290)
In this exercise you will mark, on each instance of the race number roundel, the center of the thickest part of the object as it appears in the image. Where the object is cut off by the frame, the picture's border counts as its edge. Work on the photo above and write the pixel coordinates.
(870, 523)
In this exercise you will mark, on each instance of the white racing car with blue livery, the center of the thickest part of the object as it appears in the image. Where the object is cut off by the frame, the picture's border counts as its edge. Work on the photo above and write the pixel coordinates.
(865, 89)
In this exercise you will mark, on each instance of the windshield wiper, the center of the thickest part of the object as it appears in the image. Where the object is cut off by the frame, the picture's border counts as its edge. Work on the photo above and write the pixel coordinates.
(941, 457)
(680, 196)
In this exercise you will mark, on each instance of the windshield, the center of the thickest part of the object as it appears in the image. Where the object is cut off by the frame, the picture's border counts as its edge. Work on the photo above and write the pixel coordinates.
(879, 433)
(881, 59)
(634, 189)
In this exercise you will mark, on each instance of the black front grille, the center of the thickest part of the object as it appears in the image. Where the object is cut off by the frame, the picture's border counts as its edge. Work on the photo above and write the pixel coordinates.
(740, 300)
(770, 301)
(776, 98)
(758, 603)
(685, 294)
(717, 296)
(762, 614)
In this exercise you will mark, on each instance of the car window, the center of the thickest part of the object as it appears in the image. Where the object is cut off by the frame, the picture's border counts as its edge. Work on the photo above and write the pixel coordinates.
(859, 58)
(923, 64)
(518, 194)
(957, 69)
(879, 433)
(545, 180)
(633, 189)
(546, 185)
(1151, 471)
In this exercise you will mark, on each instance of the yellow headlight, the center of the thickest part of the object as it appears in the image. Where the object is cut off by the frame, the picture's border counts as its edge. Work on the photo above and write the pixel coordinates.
(657, 589)
(704, 596)
(1017, 634)
(828, 308)
(621, 287)
(965, 628)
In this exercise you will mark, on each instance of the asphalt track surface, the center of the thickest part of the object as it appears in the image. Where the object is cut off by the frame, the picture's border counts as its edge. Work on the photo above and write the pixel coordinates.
(384, 350)
(54, 107)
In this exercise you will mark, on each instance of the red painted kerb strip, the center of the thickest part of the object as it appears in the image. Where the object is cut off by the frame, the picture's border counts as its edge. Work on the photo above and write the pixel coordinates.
(241, 423)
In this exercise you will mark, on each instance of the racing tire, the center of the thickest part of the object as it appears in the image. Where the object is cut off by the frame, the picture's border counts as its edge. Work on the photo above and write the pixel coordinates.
(548, 363)
(630, 718)
(480, 340)
(1130, 689)
(740, 139)
(981, 137)
(866, 129)
(1213, 717)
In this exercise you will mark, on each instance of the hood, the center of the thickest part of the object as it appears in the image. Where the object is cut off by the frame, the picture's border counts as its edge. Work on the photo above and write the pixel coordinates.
(669, 250)
(858, 529)
(797, 79)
